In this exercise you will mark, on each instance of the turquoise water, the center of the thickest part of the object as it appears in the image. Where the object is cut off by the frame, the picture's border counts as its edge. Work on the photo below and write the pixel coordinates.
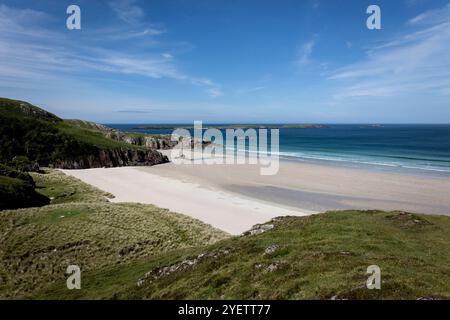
(413, 147)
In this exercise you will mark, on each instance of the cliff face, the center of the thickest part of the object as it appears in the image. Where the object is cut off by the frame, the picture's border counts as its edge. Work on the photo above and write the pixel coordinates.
(113, 158)
(158, 142)
(162, 142)
(41, 137)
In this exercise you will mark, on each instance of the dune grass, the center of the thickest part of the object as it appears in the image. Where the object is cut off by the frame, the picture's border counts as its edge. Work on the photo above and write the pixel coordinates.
(80, 227)
(61, 188)
(318, 257)
(323, 256)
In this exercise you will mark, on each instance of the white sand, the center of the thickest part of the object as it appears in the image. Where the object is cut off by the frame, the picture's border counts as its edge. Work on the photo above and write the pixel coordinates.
(218, 208)
(236, 197)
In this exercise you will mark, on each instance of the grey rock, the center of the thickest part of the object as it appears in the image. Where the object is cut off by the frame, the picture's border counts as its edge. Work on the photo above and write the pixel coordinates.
(258, 229)
(273, 266)
(180, 266)
(113, 158)
(271, 249)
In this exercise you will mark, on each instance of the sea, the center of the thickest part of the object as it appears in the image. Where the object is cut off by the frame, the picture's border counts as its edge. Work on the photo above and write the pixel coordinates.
(409, 148)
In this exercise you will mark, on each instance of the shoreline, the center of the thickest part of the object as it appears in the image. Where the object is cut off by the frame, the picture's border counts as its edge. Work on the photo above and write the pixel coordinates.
(401, 169)
(406, 148)
(374, 167)
(233, 198)
(226, 211)
(325, 187)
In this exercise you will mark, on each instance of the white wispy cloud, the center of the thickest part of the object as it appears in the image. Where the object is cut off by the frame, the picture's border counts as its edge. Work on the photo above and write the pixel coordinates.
(127, 10)
(24, 22)
(29, 51)
(417, 62)
(133, 15)
(215, 92)
(24, 15)
(125, 34)
(432, 17)
(305, 52)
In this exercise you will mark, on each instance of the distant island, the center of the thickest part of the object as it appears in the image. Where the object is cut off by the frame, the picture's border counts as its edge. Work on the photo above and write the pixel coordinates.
(230, 126)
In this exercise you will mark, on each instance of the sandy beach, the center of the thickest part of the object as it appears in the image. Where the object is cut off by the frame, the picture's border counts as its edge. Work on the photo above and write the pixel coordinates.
(224, 210)
(233, 198)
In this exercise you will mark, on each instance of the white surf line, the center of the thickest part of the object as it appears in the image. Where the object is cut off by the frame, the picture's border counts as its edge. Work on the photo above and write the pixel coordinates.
(221, 209)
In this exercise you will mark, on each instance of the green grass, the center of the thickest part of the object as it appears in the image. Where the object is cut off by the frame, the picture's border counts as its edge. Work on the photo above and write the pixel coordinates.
(81, 227)
(22, 109)
(8, 171)
(318, 257)
(93, 137)
(27, 130)
(61, 188)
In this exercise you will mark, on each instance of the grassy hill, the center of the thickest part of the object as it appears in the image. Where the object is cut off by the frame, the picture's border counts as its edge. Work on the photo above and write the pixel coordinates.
(27, 130)
(31, 133)
(319, 257)
(81, 227)
(119, 246)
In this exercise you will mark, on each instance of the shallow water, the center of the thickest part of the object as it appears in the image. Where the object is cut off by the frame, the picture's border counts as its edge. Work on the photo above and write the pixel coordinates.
(408, 148)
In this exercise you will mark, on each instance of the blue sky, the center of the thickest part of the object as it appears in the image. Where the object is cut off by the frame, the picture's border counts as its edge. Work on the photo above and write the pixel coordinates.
(137, 61)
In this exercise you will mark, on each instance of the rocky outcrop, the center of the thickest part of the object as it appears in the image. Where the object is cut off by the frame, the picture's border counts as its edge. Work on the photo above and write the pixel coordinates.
(271, 249)
(186, 264)
(152, 141)
(258, 229)
(113, 158)
(160, 142)
(32, 136)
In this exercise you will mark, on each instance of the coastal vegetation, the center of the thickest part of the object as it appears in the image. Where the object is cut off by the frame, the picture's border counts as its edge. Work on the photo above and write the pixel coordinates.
(17, 189)
(81, 227)
(133, 251)
(136, 251)
(27, 130)
(323, 256)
